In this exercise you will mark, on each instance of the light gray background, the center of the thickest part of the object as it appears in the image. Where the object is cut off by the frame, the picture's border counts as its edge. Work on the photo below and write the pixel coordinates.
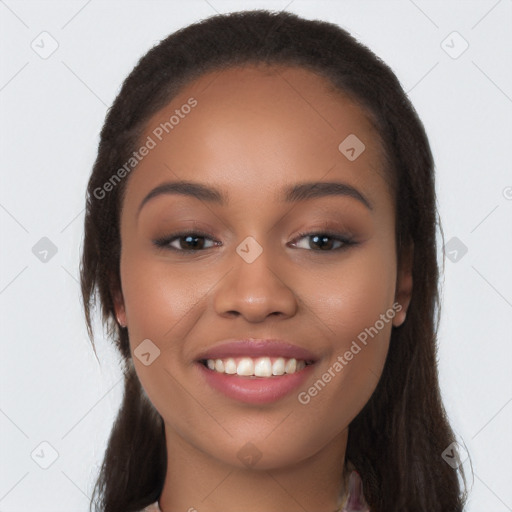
(53, 389)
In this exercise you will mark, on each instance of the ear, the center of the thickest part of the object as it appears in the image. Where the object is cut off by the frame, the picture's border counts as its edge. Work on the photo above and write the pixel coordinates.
(404, 284)
(119, 308)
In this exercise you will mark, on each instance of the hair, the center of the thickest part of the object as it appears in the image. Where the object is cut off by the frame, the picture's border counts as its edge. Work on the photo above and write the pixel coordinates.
(397, 439)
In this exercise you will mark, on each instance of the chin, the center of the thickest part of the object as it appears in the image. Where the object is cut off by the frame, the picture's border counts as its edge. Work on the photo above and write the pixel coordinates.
(262, 454)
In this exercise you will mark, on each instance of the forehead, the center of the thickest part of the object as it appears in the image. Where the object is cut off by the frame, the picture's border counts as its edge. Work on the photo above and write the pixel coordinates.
(254, 129)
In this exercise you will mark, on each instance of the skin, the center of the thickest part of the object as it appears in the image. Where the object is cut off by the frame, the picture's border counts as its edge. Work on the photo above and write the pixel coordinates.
(254, 131)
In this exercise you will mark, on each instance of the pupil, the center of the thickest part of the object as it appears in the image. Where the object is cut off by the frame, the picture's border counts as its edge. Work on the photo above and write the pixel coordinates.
(192, 240)
(321, 240)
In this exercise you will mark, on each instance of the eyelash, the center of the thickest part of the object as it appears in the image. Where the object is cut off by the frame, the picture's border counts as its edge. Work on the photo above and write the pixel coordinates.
(164, 242)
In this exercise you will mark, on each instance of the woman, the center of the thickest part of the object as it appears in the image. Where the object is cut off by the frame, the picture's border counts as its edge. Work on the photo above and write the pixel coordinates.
(260, 233)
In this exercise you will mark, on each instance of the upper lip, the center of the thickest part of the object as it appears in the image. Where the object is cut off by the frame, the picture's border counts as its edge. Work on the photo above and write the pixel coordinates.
(252, 347)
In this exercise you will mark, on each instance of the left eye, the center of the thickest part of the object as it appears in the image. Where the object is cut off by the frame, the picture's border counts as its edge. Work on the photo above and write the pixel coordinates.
(325, 241)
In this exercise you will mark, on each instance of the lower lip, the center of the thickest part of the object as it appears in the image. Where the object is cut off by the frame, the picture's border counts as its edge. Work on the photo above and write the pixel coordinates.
(255, 390)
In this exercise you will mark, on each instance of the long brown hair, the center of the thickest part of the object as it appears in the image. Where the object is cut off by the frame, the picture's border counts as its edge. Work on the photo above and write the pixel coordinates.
(397, 439)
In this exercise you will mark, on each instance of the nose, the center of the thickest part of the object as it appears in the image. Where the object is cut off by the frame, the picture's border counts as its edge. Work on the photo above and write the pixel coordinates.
(255, 290)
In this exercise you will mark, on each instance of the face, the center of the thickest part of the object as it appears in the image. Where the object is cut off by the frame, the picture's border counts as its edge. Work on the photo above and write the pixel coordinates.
(313, 270)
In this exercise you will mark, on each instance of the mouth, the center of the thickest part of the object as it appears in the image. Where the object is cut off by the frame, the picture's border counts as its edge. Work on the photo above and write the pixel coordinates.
(266, 367)
(255, 371)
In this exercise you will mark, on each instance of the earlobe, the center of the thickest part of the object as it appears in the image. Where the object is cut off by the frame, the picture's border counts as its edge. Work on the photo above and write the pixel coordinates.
(120, 309)
(404, 286)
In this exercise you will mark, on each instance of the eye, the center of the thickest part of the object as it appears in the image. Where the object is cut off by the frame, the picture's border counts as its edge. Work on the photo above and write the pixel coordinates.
(189, 241)
(194, 241)
(325, 240)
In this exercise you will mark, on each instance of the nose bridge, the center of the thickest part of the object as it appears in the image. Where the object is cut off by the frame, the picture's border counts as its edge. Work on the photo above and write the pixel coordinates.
(256, 266)
(255, 287)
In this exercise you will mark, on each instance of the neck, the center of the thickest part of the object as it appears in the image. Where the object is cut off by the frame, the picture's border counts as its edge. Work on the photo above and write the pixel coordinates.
(197, 482)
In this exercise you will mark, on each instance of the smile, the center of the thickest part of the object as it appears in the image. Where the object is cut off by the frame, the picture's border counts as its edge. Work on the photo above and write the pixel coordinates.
(256, 367)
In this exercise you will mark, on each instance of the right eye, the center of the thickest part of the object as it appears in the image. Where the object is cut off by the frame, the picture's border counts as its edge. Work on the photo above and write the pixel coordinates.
(189, 241)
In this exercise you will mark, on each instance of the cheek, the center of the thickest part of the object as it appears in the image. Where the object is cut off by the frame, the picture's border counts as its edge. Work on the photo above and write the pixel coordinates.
(353, 308)
(349, 297)
(160, 299)
(162, 303)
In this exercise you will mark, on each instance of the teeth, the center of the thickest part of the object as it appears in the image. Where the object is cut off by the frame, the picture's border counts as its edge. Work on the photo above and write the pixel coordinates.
(230, 366)
(278, 366)
(290, 366)
(258, 367)
(263, 367)
(245, 366)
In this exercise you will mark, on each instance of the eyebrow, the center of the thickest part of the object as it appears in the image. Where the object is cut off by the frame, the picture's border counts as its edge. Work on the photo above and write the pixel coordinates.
(295, 193)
